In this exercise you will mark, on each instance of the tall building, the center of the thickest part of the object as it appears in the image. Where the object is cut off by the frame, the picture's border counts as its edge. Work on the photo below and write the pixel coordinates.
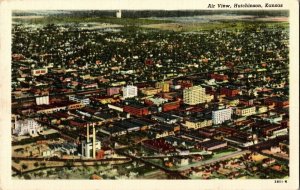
(129, 91)
(194, 95)
(89, 148)
(219, 116)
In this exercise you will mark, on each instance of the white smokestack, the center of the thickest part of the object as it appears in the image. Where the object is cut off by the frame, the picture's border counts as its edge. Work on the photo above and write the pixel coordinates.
(87, 133)
(94, 141)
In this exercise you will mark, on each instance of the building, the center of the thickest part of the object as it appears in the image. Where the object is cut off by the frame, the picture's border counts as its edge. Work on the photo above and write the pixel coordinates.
(171, 106)
(91, 85)
(89, 148)
(219, 77)
(207, 132)
(113, 131)
(116, 107)
(149, 91)
(262, 109)
(113, 90)
(185, 83)
(240, 141)
(42, 100)
(129, 126)
(80, 99)
(40, 71)
(74, 106)
(278, 102)
(195, 95)
(246, 100)
(245, 111)
(155, 101)
(197, 123)
(159, 145)
(119, 14)
(26, 127)
(47, 109)
(166, 118)
(219, 116)
(163, 85)
(229, 91)
(181, 161)
(136, 109)
(129, 91)
(274, 131)
(211, 145)
(231, 101)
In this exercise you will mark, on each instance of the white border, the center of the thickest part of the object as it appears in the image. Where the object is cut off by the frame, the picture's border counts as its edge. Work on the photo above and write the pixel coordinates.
(6, 182)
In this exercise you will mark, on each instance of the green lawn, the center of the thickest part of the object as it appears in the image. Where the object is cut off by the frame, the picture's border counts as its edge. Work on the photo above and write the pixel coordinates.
(223, 153)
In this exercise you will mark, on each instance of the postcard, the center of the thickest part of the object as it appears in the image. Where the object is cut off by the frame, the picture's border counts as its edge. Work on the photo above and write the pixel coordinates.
(149, 94)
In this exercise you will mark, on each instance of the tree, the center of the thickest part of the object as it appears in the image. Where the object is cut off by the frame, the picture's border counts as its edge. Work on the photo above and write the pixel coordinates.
(26, 176)
(69, 164)
(43, 164)
(97, 165)
(36, 164)
(24, 166)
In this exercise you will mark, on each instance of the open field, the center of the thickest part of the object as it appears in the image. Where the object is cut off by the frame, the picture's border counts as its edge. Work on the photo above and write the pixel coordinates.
(196, 27)
(162, 24)
(78, 20)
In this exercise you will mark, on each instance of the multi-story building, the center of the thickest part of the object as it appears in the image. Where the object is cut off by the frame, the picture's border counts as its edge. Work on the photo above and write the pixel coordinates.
(195, 123)
(246, 100)
(219, 116)
(80, 99)
(171, 106)
(245, 111)
(129, 91)
(40, 71)
(42, 100)
(195, 95)
(26, 127)
(150, 91)
(229, 91)
(163, 85)
(113, 90)
(136, 109)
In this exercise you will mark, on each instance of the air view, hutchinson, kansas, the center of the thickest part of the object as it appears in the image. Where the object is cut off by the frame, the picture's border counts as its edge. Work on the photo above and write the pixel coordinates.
(244, 5)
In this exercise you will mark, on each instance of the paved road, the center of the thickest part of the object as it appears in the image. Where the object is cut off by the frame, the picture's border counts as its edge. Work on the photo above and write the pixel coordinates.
(71, 159)
(210, 161)
(174, 173)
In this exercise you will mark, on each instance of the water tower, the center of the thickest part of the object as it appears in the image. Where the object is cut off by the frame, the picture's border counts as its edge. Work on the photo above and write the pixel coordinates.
(119, 14)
